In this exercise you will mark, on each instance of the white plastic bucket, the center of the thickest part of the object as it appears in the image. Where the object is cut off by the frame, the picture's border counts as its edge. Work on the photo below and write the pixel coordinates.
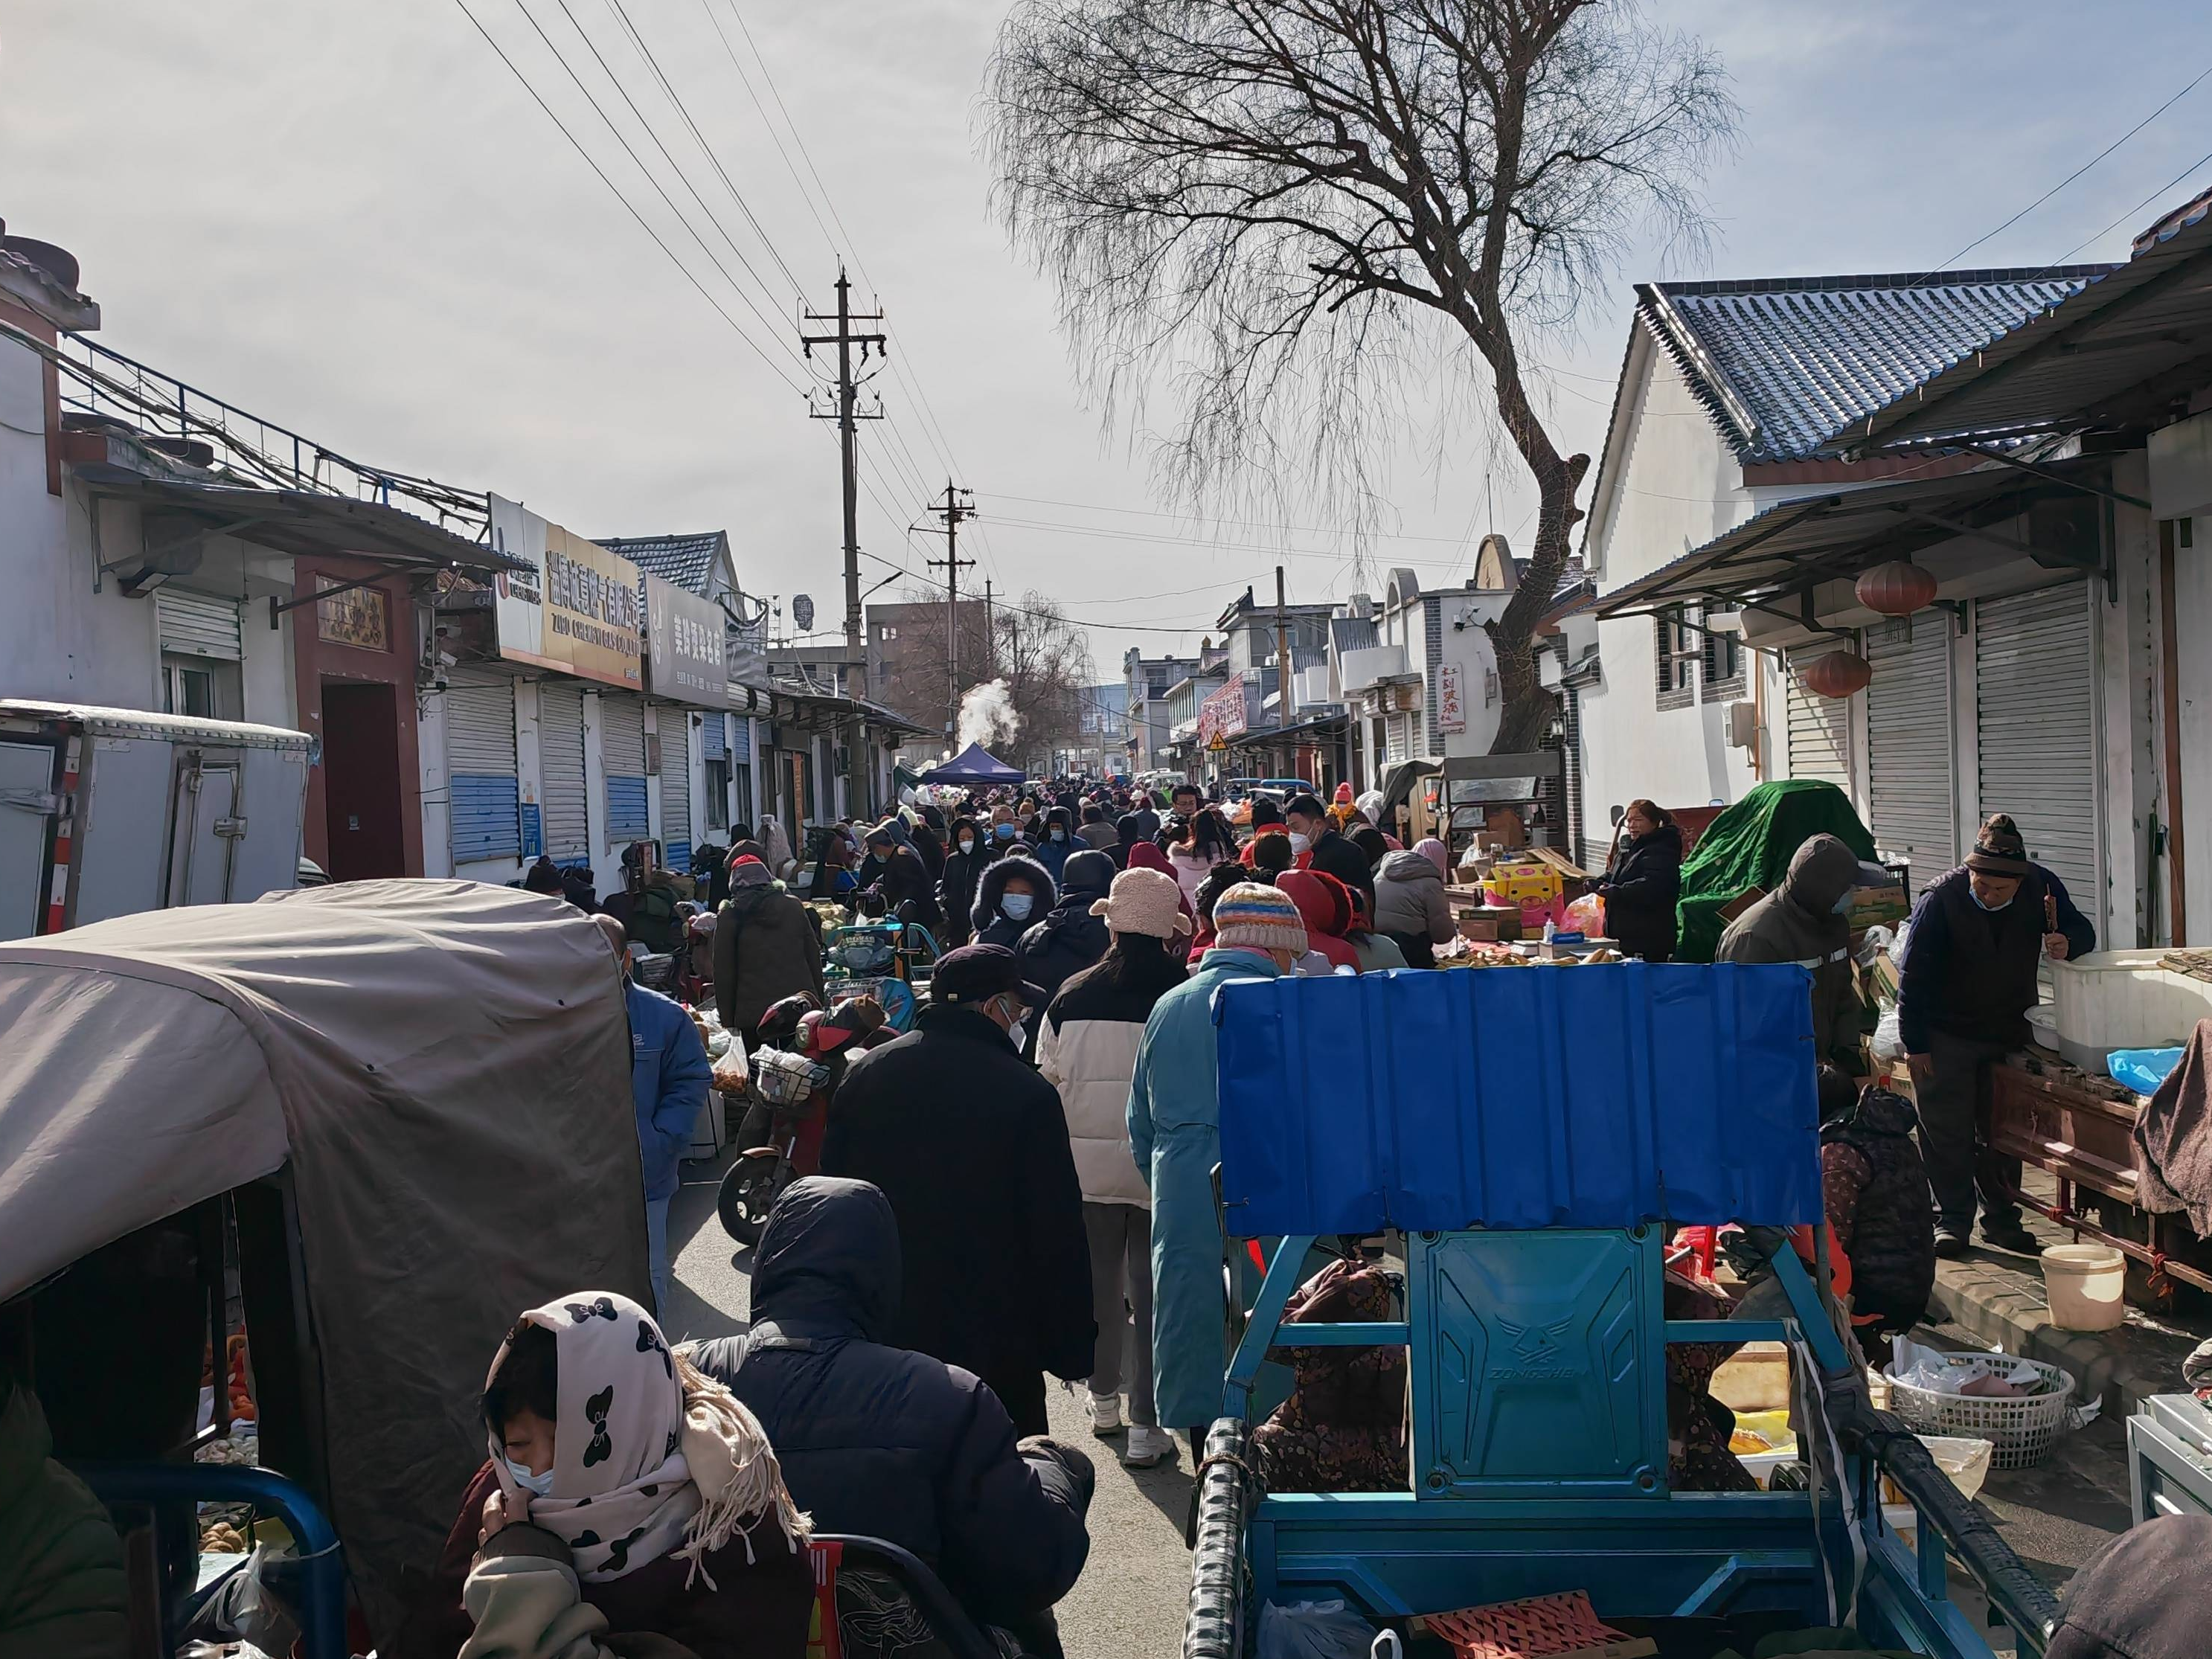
(2083, 1284)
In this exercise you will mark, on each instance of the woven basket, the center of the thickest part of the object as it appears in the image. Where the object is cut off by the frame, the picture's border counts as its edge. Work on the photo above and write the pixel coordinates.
(2022, 1430)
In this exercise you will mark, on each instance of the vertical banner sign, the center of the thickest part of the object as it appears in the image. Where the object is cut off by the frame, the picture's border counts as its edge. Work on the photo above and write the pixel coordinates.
(576, 610)
(1451, 700)
(683, 647)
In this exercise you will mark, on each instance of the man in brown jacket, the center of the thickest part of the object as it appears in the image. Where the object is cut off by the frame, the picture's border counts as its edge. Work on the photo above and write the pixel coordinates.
(767, 947)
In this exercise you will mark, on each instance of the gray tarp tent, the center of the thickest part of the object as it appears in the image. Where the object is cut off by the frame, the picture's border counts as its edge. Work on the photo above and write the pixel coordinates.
(445, 1066)
(972, 765)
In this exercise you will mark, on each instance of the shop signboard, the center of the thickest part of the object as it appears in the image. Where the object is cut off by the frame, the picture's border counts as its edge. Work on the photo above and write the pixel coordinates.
(1222, 715)
(1452, 701)
(349, 613)
(684, 648)
(576, 610)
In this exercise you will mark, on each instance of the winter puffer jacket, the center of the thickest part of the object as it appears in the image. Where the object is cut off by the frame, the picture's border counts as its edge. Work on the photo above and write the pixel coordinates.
(61, 1587)
(1087, 1049)
(1409, 899)
(1641, 892)
(1070, 939)
(1875, 1188)
(767, 947)
(882, 1442)
(1797, 922)
(992, 925)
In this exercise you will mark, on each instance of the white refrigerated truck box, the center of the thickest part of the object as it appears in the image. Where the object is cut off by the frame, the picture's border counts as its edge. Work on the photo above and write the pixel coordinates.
(107, 812)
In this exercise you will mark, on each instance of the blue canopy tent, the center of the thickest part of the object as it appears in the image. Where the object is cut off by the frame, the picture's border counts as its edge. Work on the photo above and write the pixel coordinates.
(974, 765)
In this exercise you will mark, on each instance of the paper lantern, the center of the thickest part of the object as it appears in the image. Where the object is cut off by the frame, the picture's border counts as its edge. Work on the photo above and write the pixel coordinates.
(1838, 674)
(1896, 589)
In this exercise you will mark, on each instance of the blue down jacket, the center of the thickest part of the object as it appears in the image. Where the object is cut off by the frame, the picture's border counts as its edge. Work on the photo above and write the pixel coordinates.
(888, 1443)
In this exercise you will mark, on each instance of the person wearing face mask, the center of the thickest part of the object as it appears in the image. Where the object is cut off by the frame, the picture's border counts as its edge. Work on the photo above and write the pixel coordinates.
(1976, 938)
(1320, 846)
(970, 1146)
(1059, 841)
(1174, 1135)
(1012, 892)
(971, 850)
(1803, 921)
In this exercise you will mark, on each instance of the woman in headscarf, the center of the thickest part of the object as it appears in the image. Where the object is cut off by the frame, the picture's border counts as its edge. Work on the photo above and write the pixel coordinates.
(963, 867)
(627, 1497)
(771, 837)
(1410, 904)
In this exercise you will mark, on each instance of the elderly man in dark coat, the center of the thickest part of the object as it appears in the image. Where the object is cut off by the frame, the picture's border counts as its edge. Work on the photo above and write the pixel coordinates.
(882, 1442)
(970, 1145)
(1977, 939)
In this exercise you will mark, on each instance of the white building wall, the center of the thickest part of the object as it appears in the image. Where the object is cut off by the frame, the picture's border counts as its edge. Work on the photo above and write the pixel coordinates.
(1671, 486)
(437, 794)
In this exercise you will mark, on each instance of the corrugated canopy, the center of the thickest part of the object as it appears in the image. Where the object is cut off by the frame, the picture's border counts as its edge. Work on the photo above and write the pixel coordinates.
(1788, 550)
(2116, 350)
(1518, 1097)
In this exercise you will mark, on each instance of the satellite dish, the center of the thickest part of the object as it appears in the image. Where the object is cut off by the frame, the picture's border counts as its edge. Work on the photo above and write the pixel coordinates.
(802, 612)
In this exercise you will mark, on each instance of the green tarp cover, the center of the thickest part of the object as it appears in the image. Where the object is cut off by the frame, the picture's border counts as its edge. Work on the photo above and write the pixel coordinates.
(1750, 845)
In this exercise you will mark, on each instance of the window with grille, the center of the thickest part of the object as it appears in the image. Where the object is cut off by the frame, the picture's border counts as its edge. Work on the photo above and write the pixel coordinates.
(1676, 657)
(1721, 664)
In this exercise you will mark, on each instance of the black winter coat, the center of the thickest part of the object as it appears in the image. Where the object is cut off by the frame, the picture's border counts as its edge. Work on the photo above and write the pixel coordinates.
(955, 889)
(970, 1145)
(1641, 894)
(1070, 939)
(1337, 854)
(1887, 1231)
(887, 1443)
(994, 929)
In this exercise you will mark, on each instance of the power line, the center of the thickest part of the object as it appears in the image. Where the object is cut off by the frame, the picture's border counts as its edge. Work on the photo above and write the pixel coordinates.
(737, 328)
(1952, 260)
(1238, 524)
(2162, 190)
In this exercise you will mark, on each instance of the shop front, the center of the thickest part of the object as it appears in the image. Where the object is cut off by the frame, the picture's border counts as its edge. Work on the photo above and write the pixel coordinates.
(355, 648)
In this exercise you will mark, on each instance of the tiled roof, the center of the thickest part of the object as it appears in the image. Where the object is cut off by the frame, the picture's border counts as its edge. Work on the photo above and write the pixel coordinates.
(1785, 363)
(686, 561)
(1351, 633)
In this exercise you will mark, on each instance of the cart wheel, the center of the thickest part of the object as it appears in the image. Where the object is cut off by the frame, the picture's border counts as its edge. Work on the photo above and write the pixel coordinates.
(748, 1192)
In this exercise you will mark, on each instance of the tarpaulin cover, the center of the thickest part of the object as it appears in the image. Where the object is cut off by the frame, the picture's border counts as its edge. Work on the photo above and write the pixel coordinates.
(1750, 845)
(1518, 1097)
(444, 1064)
(972, 765)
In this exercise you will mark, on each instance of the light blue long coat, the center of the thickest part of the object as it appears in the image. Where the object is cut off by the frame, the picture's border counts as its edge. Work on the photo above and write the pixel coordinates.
(1175, 1131)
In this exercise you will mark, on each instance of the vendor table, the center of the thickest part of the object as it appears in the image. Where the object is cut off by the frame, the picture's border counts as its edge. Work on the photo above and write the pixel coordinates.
(2083, 1139)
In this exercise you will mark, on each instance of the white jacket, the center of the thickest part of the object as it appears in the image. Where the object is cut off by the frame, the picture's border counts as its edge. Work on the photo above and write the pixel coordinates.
(1087, 1049)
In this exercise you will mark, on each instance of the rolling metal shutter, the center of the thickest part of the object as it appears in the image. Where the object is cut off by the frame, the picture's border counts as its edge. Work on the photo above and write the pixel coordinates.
(622, 757)
(741, 740)
(711, 746)
(197, 624)
(1819, 728)
(483, 799)
(1911, 777)
(2036, 729)
(676, 786)
(560, 760)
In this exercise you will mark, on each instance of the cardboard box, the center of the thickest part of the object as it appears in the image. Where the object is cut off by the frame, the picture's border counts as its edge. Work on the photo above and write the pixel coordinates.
(1474, 926)
(1878, 906)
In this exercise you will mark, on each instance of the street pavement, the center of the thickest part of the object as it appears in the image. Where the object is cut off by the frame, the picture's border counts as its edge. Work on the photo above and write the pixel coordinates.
(1130, 1600)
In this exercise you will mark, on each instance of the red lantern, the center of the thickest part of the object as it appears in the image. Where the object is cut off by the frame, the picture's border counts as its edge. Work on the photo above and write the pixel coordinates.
(1896, 589)
(1837, 675)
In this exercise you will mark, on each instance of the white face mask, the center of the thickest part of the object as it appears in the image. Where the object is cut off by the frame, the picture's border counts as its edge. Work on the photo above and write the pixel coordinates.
(1017, 906)
(538, 1485)
(1058, 834)
(967, 843)
(1299, 843)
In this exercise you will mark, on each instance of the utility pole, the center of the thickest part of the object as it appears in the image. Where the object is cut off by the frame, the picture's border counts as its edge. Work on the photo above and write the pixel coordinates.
(952, 512)
(990, 639)
(1283, 671)
(846, 416)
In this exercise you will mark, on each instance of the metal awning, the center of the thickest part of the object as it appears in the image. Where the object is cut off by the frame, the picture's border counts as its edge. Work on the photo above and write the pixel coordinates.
(2115, 351)
(1783, 553)
(302, 521)
(1266, 734)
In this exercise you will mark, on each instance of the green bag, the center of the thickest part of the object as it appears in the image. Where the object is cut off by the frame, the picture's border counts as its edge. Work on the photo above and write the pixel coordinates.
(1750, 845)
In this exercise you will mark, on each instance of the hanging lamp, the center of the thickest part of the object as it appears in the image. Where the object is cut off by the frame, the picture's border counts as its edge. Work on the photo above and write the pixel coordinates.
(1837, 675)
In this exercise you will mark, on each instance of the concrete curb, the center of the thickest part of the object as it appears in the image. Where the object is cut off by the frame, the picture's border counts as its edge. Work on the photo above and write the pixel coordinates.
(1998, 1297)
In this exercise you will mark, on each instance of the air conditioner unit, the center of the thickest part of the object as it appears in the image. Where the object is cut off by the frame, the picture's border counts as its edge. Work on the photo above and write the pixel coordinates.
(1743, 726)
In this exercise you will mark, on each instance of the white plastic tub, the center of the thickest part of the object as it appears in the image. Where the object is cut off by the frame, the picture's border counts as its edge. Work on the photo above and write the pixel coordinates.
(2123, 1000)
(2083, 1284)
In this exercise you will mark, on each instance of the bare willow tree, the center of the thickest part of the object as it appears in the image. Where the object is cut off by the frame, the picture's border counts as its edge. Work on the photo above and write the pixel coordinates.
(1305, 218)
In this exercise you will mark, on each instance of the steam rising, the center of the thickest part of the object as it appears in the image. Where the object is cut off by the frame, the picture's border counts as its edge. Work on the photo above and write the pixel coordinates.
(988, 716)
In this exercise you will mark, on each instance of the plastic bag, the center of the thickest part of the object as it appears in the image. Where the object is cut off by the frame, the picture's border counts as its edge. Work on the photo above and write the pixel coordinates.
(1889, 1034)
(2001, 1376)
(2143, 1070)
(1587, 915)
(1313, 1630)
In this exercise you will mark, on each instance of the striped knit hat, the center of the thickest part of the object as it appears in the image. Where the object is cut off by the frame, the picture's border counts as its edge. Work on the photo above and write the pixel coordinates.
(1254, 916)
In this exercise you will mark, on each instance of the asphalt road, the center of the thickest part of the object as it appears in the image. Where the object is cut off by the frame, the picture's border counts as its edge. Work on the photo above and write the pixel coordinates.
(1129, 1602)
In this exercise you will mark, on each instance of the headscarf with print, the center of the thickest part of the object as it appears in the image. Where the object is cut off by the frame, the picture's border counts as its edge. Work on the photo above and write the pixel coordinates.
(650, 1456)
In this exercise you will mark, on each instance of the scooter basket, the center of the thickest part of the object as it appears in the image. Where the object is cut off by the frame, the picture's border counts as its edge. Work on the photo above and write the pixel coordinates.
(782, 1078)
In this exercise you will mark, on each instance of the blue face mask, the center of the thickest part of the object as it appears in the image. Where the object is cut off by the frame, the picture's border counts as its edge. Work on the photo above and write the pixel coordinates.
(538, 1485)
(1058, 834)
(1016, 906)
(1003, 831)
(1991, 908)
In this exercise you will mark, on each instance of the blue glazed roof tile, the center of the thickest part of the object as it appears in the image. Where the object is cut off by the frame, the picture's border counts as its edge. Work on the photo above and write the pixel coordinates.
(686, 561)
(1783, 363)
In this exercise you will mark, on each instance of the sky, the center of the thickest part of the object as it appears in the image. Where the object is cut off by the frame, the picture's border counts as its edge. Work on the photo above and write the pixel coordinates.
(353, 220)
